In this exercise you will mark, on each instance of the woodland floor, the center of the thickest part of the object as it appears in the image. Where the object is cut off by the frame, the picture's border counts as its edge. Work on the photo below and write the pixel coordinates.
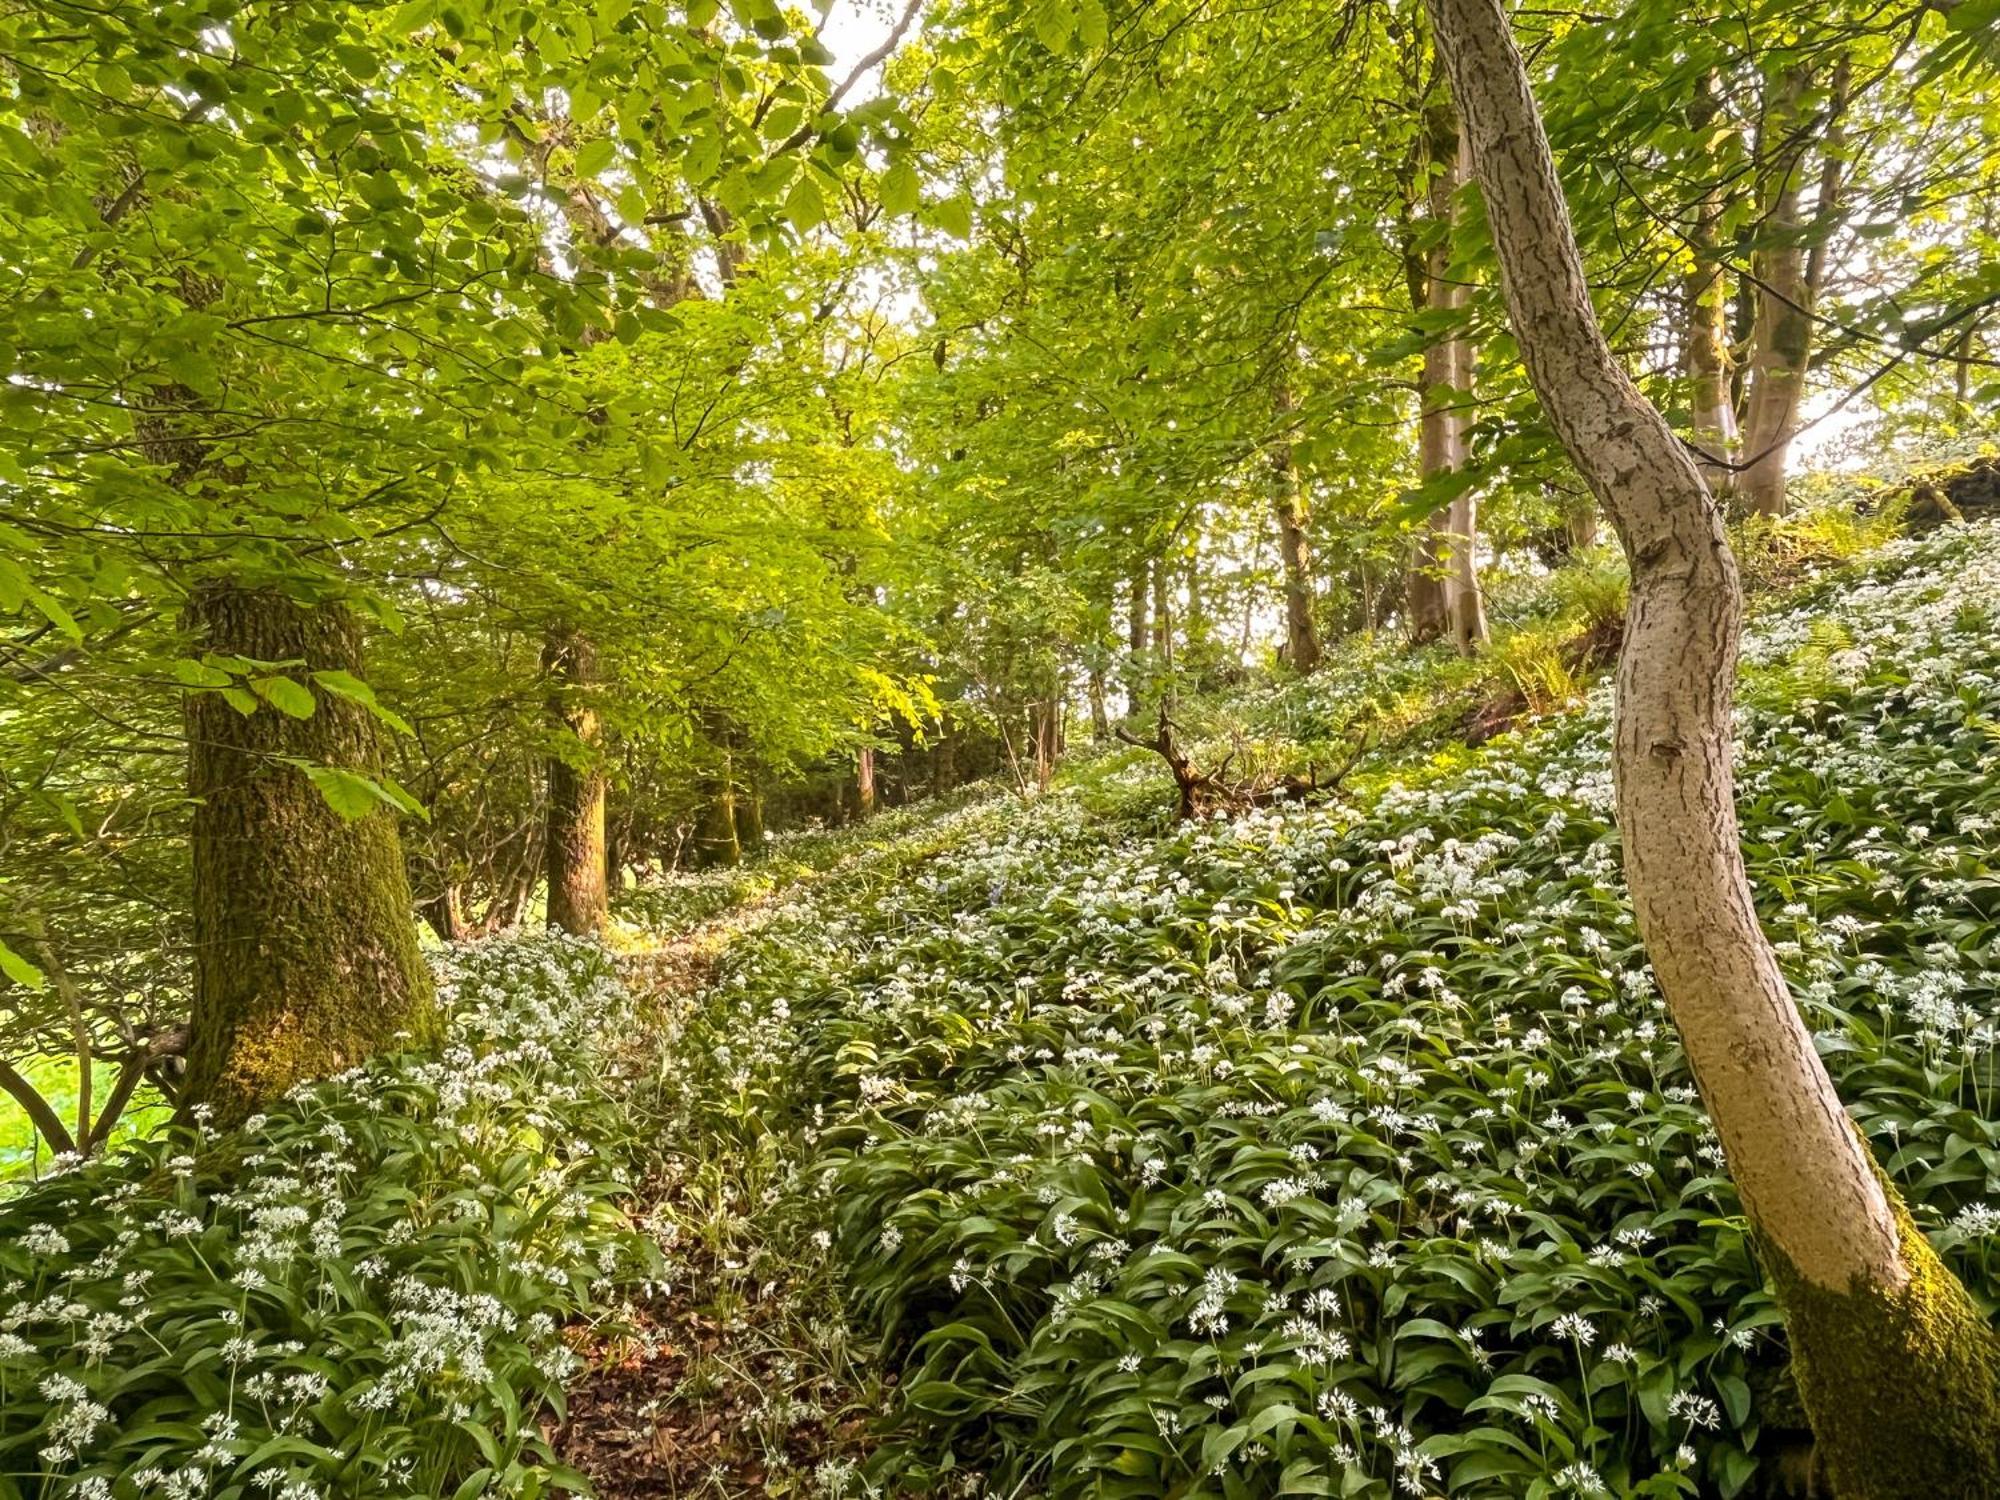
(680, 1403)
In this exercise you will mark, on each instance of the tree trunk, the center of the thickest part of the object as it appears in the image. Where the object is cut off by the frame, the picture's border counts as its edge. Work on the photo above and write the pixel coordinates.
(573, 845)
(1464, 601)
(1444, 579)
(1897, 1368)
(1100, 716)
(305, 943)
(1044, 732)
(1302, 650)
(864, 780)
(1787, 281)
(944, 757)
(445, 912)
(716, 841)
(1163, 630)
(1705, 301)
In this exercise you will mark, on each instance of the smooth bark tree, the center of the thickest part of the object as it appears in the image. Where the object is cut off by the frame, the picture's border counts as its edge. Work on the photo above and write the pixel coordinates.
(1705, 303)
(1444, 576)
(864, 781)
(305, 941)
(1139, 637)
(1302, 649)
(1897, 1367)
(573, 842)
(1788, 270)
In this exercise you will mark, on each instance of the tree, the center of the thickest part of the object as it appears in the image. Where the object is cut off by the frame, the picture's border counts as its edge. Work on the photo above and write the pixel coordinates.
(1898, 1369)
(574, 845)
(1294, 548)
(305, 954)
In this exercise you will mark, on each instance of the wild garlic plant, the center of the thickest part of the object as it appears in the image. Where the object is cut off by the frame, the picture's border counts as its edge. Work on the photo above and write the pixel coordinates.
(361, 1293)
(1348, 1148)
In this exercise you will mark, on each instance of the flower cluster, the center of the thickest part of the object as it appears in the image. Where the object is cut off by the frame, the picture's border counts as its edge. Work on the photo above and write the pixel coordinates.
(1351, 1144)
(361, 1293)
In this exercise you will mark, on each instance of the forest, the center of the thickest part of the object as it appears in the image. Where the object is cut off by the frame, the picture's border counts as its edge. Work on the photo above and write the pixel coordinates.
(1015, 748)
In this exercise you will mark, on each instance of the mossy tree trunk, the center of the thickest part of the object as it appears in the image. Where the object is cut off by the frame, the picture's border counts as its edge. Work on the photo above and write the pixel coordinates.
(305, 938)
(573, 839)
(716, 840)
(1899, 1372)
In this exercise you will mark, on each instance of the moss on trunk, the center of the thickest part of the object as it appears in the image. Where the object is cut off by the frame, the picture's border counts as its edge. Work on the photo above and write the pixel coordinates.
(306, 956)
(1902, 1387)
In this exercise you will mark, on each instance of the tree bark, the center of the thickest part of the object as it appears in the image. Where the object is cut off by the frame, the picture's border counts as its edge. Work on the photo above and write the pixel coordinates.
(864, 780)
(716, 841)
(1897, 1368)
(1444, 579)
(445, 912)
(1705, 301)
(1787, 278)
(573, 845)
(305, 941)
(1302, 649)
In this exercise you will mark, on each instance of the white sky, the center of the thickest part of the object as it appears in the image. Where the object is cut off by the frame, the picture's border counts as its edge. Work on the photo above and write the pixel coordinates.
(853, 29)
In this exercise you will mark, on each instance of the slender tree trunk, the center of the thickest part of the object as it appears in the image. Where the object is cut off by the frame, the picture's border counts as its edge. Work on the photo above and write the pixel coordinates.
(1465, 601)
(573, 843)
(1302, 651)
(1444, 578)
(1788, 278)
(305, 940)
(1044, 733)
(864, 780)
(1897, 1368)
(944, 757)
(1100, 716)
(1961, 379)
(1163, 630)
(1705, 299)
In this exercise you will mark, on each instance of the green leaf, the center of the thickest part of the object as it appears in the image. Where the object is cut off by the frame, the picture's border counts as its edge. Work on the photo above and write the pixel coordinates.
(804, 206)
(593, 157)
(286, 694)
(348, 793)
(899, 188)
(19, 969)
(954, 216)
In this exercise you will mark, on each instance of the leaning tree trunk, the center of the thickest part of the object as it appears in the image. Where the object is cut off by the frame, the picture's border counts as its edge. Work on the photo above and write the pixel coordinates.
(573, 844)
(1897, 1368)
(305, 940)
(1302, 650)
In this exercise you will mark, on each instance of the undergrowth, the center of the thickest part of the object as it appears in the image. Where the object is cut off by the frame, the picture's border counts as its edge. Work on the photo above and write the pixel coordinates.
(1345, 1149)
(363, 1293)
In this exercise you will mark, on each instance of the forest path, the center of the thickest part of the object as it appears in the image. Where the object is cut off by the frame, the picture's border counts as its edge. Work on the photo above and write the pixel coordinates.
(735, 1380)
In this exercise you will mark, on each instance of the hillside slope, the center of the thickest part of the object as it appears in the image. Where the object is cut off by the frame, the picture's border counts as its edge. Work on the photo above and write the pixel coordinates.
(1345, 1149)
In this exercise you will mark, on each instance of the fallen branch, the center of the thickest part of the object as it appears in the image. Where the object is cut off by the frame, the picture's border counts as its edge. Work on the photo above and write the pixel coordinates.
(1205, 791)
